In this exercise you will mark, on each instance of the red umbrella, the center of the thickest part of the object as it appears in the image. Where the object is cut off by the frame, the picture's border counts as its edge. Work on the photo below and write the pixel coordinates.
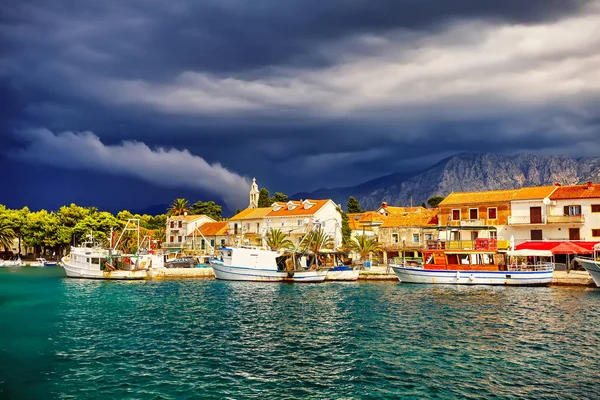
(570, 248)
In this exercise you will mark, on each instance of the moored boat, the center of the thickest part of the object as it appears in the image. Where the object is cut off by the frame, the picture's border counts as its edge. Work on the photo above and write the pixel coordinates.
(12, 262)
(256, 264)
(477, 267)
(592, 265)
(92, 261)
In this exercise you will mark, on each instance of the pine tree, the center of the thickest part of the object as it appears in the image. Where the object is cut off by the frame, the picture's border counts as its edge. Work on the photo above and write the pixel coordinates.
(263, 198)
(353, 205)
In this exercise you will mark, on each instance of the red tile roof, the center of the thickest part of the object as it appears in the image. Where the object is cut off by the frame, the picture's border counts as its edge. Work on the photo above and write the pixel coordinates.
(211, 229)
(583, 191)
(299, 210)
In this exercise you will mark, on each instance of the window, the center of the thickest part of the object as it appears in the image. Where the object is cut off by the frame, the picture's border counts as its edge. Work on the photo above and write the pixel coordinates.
(492, 213)
(180, 224)
(178, 239)
(299, 222)
(473, 213)
(537, 234)
(212, 242)
(428, 236)
(172, 224)
(171, 239)
(595, 208)
(395, 238)
(474, 235)
(202, 244)
(416, 238)
(257, 227)
(493, 235)
(95, 261)
(455, 215)
(235, 229)
(596, 232)
(572, 210)
(222, 242)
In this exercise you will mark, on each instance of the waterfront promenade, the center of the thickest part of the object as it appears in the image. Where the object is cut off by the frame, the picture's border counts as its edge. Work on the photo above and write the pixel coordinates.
(375, 273)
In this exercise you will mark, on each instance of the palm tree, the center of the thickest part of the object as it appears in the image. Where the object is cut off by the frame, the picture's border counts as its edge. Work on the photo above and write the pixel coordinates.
(179, 207)
(315, 240)
(364, 245)
(276, 240)
(7, 235)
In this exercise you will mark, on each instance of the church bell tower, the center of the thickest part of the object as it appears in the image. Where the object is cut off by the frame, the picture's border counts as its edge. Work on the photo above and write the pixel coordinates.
(253, 194)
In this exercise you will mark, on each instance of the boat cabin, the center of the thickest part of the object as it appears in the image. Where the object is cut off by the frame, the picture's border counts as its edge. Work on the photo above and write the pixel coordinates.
(463, 260)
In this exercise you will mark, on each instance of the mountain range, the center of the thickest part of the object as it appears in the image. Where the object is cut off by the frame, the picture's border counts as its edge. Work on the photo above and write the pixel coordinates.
(465, 172)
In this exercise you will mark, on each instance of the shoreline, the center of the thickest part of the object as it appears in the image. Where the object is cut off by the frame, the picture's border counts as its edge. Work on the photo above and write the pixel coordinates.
(375, 273)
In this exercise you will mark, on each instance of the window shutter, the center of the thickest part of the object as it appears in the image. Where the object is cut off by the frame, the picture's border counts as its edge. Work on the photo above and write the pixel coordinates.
(566, 209)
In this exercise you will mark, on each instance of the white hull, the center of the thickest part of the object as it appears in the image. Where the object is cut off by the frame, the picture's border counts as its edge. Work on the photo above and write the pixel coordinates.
(74, 271)
(230, 273)
(350, 275)
(592, 267)
(466, 277)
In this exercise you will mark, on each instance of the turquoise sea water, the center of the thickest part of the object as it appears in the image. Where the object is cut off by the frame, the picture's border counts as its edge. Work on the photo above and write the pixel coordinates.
(63, 338)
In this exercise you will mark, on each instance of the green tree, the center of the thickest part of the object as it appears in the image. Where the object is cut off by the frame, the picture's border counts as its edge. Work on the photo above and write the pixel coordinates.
(276, 239)
(279, 197)
(423, 205)
(16, 220)
(7, 235)
(364, 245)
(353, 205)
(263, 198)
(209, 208)
(179, 207)
(346, 231)
(435, 201)
(315, 240)
(237, 211)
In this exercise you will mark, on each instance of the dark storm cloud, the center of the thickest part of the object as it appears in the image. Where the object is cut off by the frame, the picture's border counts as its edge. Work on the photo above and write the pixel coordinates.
(285, 90)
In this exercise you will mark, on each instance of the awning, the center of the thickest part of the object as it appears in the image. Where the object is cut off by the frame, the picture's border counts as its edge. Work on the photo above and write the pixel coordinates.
(528, 253)
(550, 245)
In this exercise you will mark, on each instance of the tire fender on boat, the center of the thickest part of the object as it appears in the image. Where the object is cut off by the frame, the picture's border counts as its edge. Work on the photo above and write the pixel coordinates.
(471, 277)
(457, 274)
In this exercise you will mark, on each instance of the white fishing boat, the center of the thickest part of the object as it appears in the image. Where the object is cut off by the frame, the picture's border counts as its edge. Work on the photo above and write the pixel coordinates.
(338, 271)
(92, 261)
(248, 263)
(592, 265)
(12, 262)
(473, 267)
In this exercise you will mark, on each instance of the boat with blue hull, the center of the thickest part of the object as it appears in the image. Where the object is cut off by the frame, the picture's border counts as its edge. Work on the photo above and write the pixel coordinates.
(257, 264)
(473, 267)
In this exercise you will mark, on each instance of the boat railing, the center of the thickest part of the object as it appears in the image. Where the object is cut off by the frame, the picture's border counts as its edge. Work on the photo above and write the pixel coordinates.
(542, 266)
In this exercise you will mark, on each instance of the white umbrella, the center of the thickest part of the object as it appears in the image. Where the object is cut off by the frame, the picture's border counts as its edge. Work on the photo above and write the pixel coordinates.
(512, 242)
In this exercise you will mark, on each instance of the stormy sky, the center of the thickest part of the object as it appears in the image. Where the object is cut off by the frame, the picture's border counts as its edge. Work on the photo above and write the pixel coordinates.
(130, 103)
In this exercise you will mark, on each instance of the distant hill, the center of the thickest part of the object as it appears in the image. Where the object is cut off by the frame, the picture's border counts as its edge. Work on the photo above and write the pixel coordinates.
(466, 172)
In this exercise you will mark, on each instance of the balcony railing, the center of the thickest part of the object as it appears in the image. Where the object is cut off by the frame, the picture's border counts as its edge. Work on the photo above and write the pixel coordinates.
(566, 219)
(526, 220)
(467, 222)
(477, 244)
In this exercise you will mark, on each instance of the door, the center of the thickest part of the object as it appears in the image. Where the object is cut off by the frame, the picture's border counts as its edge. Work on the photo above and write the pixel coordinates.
(535, 215)
(536, 234)
(574, 234)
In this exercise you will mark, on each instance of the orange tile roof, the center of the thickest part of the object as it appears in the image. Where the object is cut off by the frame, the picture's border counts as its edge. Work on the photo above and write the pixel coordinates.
(491, 196)
(535, 192)
(421, 217)
(355, 223)
(372, 216)
(251, 213)
(298, 210)
(187, 218)
(576, 192)
(211, 229)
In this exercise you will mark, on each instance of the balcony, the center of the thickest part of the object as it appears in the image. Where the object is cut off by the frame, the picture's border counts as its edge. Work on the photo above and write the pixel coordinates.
(467, 222)
(526, 220)
(566, 219)
(482, 244)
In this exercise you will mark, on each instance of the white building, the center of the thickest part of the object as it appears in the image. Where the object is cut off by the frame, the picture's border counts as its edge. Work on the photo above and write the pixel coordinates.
(556, 213)
(180, 227)
(295, 218)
